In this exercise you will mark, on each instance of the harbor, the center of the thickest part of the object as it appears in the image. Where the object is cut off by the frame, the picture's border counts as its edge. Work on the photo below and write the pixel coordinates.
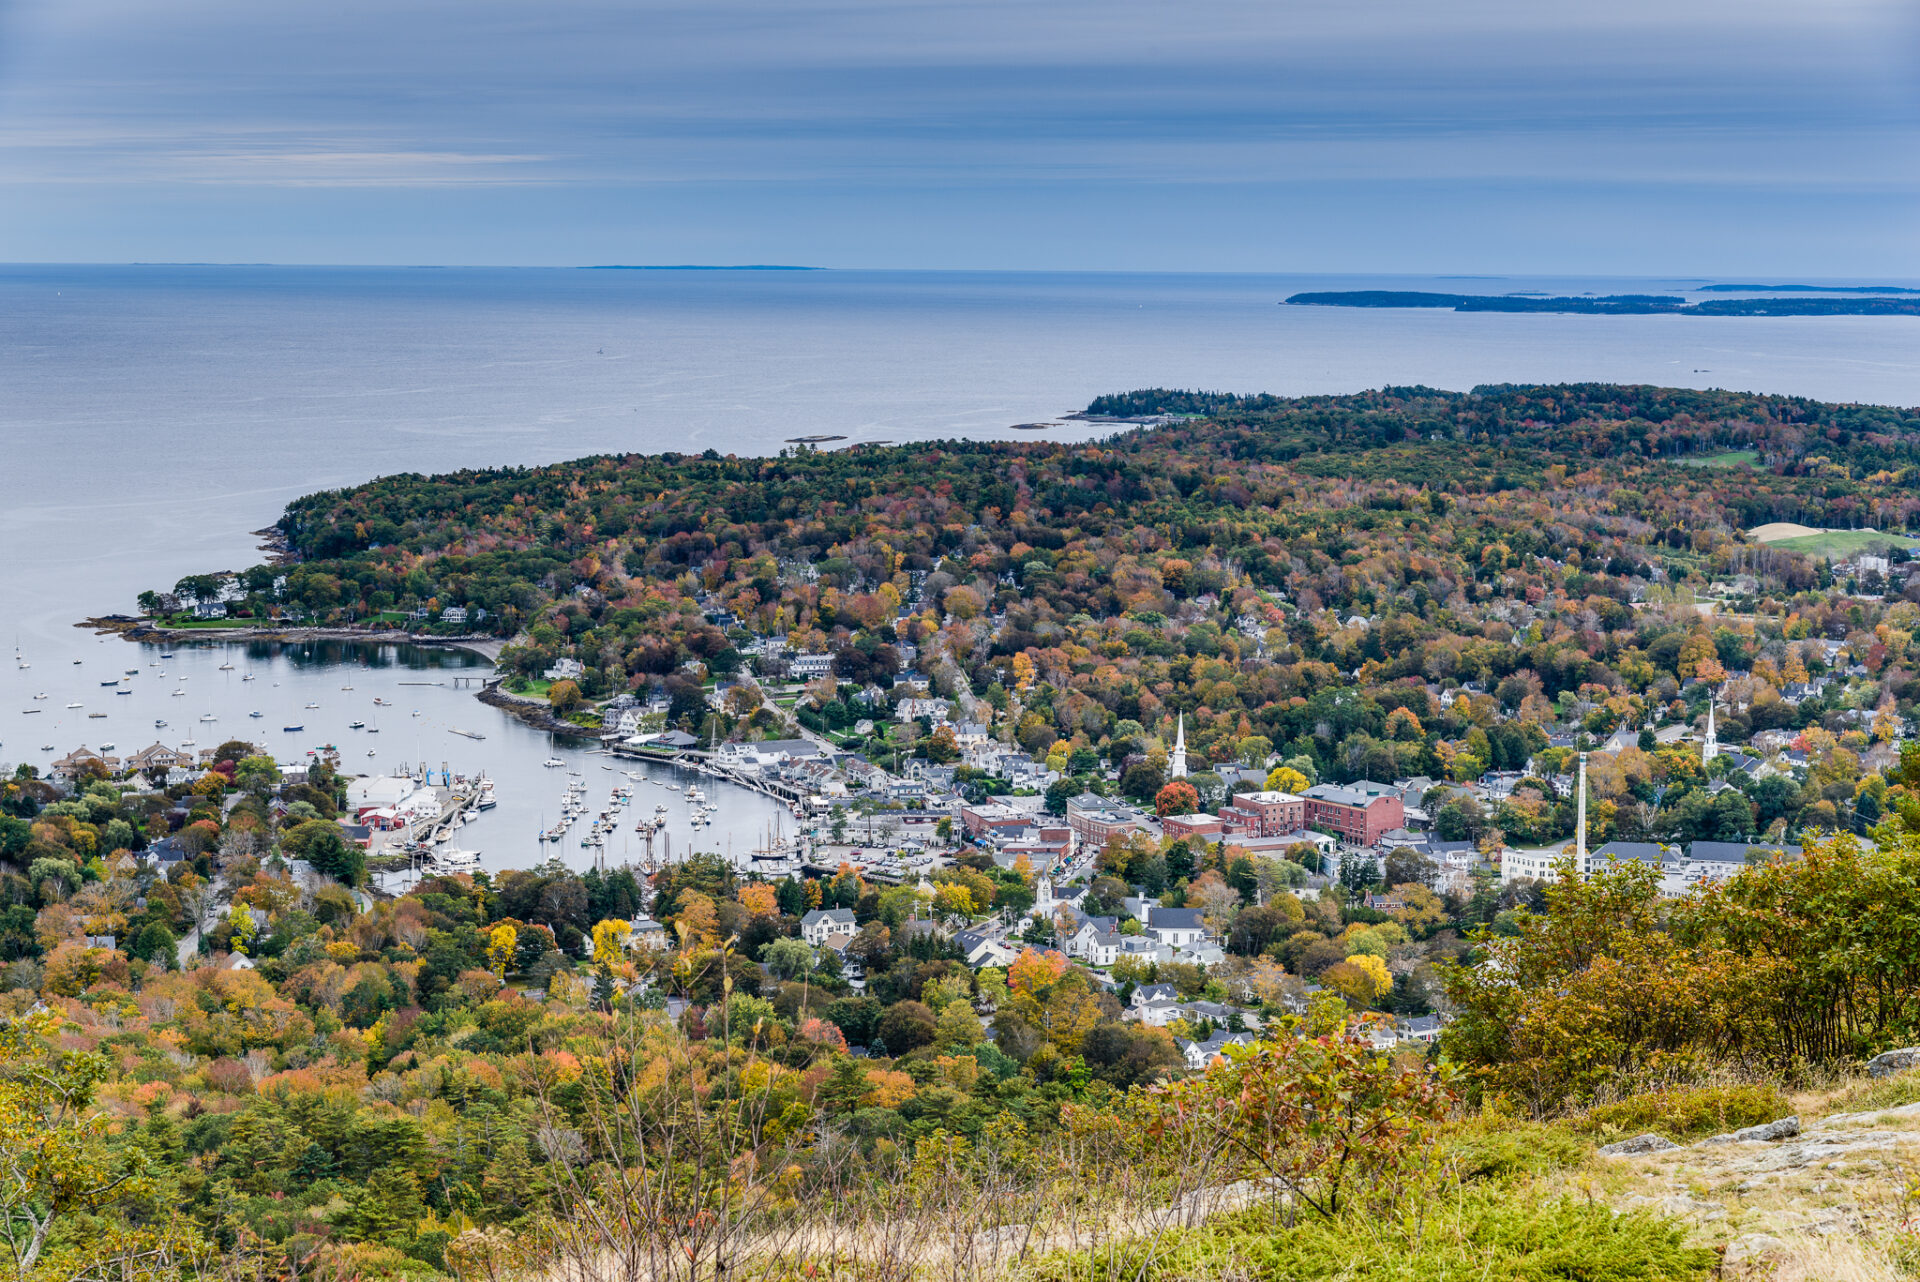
(380, 710)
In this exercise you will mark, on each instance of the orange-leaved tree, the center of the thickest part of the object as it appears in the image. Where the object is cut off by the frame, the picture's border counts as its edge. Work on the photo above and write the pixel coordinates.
(1327, 1120)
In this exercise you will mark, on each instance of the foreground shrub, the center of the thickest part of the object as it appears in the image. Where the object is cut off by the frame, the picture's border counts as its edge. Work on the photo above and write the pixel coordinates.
(1491, 1147)
(1326, 1119)
(1478, 1235)
(1689, 1112)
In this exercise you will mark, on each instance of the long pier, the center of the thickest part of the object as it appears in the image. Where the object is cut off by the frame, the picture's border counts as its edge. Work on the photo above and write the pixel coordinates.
(768, 787)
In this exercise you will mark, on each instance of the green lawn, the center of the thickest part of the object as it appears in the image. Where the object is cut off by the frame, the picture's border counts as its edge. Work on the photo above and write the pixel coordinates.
(1732, 458)
(532, 687)
(188, 621)
(1838, 544)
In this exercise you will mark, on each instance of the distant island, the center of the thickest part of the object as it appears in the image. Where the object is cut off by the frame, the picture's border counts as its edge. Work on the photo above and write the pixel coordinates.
(1808, 289)
(698, 267)
(1612, 304)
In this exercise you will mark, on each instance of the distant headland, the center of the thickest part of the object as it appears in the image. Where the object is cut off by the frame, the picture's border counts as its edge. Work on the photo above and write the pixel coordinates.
(1620, 304)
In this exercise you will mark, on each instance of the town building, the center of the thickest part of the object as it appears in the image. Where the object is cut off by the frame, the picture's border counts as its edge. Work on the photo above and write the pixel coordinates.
(1357, 813)
(1267, 813)
(821, 923)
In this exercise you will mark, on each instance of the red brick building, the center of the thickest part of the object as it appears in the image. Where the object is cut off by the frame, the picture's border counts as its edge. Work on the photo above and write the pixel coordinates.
(1356, 813)
(1180, 826)
(1266, 814)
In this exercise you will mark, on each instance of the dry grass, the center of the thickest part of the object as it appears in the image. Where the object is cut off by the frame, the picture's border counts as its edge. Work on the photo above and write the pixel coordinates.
(1827, 1260)
(1839, 1204)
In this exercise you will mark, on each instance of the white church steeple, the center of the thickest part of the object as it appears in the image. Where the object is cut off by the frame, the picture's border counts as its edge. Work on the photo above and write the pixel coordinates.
(1177, 768)
(1710, 748)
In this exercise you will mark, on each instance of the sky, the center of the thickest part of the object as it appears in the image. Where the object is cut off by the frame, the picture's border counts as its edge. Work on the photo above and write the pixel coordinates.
(1627, 137)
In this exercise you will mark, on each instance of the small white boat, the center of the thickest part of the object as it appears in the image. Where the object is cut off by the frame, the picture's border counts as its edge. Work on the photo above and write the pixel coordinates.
(226, 667)
(209, 717)
(41, 695)
(254, 715)
(76, 704)
(312, 705)
(246, 676)
(27, 712)
(178, 694)
(551, 763)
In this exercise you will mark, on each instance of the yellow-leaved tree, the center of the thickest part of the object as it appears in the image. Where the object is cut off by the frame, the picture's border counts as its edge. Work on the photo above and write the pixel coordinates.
(55, 1159)
(610, 941)
(1286, 779)
(501, 942)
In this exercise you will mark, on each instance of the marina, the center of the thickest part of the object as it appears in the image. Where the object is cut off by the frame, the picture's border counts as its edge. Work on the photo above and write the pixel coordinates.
(427, 719)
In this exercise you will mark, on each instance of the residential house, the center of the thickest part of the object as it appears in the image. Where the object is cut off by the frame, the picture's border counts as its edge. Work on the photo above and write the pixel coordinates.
(1147, 994)
(158, 757)
(1200, 1054)
(68, 768)
(806, 667)
(817, 925)
(1176, 927)
(1083, 932)
(648, 935)
(1424, 1029)
(970, 734)
(912, 709)
(563, 669)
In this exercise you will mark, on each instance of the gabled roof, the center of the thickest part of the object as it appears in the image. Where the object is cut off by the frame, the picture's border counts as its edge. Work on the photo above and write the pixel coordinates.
(1738, 852)
(1645, 852)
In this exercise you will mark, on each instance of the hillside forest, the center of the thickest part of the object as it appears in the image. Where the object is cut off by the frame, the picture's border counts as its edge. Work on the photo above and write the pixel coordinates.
(487, 1077)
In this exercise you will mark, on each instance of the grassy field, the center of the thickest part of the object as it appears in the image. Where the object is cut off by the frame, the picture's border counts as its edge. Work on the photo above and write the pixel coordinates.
(1843, 543)
(531, 687)
(1732, 458)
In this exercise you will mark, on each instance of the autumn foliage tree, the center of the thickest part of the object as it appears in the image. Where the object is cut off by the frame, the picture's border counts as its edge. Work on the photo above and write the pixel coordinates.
(1176, 798)
(1327, 1120)
(1611, 990)
(564, 696)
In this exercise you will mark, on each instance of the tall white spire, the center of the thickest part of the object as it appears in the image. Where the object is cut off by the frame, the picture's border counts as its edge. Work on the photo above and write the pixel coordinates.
(1711, 747)
(1580, 823)
(1177, 768)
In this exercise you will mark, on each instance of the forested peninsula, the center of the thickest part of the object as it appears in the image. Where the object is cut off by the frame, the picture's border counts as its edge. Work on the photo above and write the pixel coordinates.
(1167, 1010)
(1619, 304)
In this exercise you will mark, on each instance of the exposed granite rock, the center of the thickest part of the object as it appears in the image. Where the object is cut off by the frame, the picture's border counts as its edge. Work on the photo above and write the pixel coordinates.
(1639, 1144)
(1887, 1063)
(1750, 1249)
